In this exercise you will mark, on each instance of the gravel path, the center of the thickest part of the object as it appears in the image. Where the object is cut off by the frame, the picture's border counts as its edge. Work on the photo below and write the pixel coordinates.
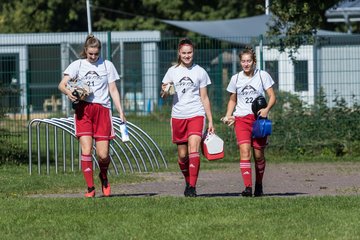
(280, 180)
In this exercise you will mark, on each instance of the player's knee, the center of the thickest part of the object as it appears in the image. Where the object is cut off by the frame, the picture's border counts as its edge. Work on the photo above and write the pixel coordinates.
(183, 159)
(259, 158)
(245, 154)
(103, 156)
(86, 151)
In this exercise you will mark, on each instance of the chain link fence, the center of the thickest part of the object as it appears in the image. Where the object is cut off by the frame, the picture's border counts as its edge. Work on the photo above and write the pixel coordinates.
(318, 94)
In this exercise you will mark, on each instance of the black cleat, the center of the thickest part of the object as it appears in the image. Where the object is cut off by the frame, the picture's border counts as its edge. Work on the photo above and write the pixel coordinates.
(247, 192)
(186, 191)
(190, 191)
(258, 190)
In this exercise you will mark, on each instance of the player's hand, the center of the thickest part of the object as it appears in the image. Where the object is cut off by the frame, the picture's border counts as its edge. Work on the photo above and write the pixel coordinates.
(167, 89)
(211, 128)
(263, 113)
(228, 120)
(70, 95)
(122, 117)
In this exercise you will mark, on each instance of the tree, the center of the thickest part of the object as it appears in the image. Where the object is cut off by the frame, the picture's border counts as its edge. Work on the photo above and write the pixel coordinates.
(147, 14)
(112, 15)
(295, 23)
(21, 16)
(294, 20)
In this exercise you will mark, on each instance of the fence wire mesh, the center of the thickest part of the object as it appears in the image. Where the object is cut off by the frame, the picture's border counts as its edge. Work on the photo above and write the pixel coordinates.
(318, 94)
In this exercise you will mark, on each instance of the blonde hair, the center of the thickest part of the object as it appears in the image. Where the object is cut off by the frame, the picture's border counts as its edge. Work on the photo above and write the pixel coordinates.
(90, 42)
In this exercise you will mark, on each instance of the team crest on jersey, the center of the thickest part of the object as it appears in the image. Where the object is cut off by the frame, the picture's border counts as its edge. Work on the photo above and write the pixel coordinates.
(92, 73)
(248, 90)
(91, 76)
(185, 82)
(186, 79)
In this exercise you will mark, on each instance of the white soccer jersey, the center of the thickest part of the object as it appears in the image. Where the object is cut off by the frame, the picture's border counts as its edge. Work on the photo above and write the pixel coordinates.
(97, 76)
(248, 89)
(187, 83)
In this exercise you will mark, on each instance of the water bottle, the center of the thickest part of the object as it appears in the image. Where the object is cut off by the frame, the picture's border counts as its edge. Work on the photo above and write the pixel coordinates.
(124, 132)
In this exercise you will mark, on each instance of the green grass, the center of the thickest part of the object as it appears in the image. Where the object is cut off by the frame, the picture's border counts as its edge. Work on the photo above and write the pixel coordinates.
(16, 181)
(23, 216)
(180, 218)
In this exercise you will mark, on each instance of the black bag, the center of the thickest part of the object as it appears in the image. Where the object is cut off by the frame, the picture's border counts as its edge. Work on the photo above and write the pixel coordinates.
(257, 104)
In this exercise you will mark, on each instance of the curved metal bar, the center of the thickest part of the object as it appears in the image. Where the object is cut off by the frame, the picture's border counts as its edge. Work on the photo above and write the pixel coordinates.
(47, 149)
(141, 147)
(117, 122)
(136, 149)
(145, 147)
(132, 154)
(113, 161)
(30, 147)
(126, 156)
(151, 140)
(71, 121)
(38, 147)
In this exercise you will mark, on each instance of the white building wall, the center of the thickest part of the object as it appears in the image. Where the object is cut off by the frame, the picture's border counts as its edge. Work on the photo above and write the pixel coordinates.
(339, 71)
(17, 43)
(286, 70)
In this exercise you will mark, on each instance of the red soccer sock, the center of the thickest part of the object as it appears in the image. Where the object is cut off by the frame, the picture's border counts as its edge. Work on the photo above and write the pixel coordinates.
(104, 165)
(245, 168)
(87, 169)
(260, 169)
(194, 166)
(184, 167)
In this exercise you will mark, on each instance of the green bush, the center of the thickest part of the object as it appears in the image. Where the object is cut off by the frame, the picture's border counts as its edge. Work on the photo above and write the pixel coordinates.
(11, 152)
(300, 131)
(314, 130)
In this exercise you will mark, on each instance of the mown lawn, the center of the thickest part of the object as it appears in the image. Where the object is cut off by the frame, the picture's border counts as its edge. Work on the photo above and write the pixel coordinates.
(26, 217)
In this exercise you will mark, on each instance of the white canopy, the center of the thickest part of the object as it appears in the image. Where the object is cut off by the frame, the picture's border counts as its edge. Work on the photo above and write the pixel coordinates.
(241, 30)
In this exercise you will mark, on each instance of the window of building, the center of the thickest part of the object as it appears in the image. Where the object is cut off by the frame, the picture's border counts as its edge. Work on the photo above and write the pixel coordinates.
(301, 76)
(9, 81)
(272, 67)
(44, 74)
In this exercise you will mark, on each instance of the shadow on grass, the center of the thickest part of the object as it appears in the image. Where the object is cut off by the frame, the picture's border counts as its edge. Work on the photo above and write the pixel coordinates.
(132, 195)
(238, 194)
(152, 194)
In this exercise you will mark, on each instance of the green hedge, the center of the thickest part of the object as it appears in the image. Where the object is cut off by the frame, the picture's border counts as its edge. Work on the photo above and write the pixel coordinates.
(300, 131)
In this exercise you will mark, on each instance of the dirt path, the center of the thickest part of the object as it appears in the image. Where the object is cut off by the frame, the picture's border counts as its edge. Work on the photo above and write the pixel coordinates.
(279, 180)
(282, 180)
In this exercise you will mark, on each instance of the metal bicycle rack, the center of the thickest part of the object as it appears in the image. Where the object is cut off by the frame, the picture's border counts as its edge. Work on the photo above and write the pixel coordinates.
(55, 142)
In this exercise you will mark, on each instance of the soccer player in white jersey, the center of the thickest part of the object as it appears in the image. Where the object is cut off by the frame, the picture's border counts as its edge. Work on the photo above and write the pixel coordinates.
(93, 115)
(244, 87)
(190, 106)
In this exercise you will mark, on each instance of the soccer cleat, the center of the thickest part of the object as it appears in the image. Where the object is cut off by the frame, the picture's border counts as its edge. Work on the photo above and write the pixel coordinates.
(90, 193)
(247, 192)
(186, 191)
(105, 186)
(190, 192)
(258, 190)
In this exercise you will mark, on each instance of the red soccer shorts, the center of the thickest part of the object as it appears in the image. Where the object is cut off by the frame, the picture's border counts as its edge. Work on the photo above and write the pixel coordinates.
(181, 129)
(92, 119)
(243, 131)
